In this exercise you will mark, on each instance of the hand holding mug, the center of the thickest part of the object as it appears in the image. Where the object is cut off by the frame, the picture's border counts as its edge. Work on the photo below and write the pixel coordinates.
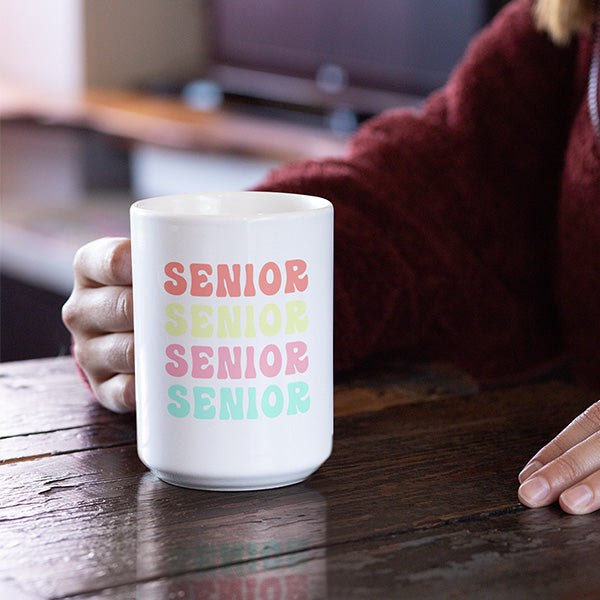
(99, 314)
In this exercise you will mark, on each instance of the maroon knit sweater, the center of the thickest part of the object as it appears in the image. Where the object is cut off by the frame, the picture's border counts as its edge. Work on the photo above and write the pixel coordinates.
(470, 231)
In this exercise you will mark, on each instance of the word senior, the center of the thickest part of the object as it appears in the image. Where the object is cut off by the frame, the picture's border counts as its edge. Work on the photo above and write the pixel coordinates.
(203, 321)
(238, 403)
(271, 361)
(200, 280)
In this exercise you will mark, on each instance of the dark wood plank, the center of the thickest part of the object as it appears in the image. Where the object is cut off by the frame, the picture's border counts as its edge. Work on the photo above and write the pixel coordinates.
(521, 554)
(93, 520)
(392, 383)
(49, 410)
(38, 396)
(103, 521)
(65, 440)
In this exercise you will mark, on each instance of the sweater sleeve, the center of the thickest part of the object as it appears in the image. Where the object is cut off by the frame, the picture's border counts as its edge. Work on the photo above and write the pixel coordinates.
(445, 217)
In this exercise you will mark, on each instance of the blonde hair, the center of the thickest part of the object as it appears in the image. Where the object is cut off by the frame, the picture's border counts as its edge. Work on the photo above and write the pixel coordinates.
(562, 19)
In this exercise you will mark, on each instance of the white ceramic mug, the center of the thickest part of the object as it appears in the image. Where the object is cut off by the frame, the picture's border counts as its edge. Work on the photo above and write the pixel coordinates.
(233, 320)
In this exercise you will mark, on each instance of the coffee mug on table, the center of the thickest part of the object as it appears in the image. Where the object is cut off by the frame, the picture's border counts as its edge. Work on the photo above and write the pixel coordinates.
(233, 311)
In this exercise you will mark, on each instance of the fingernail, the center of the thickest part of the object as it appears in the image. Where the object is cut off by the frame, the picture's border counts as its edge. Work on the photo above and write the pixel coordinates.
(577, 498)
(534, 491)
(530, 468)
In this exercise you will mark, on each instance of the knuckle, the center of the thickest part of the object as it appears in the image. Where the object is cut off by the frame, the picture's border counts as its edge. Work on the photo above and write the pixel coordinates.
(592, 416)
(115, 257)
(129, 392)
(113, 394)
(118, 353)
(81, 354)
(124, 305)
(105, 394)
(80, 259)
(558, 446)
(568, 469)
(128, 352)
(68, 314)
(112, 258)
(71, 313)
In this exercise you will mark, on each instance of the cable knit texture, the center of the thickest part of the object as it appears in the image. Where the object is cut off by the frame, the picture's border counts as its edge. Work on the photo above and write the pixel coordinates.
(470, 230)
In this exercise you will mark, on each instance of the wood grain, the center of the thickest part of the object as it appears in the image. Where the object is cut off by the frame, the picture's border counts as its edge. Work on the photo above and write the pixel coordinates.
(521, 554)
(417, 499)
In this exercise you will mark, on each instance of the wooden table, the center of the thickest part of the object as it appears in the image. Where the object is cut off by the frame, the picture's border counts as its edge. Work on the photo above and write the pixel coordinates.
(418, 500)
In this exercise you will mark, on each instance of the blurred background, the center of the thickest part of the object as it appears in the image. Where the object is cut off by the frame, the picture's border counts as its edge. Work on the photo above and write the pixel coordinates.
(103, 102)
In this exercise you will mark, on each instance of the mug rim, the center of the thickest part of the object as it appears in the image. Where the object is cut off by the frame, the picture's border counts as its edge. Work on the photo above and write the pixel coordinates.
(231, 205)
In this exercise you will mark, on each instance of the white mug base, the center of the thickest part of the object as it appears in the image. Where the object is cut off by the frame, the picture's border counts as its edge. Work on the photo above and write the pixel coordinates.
(236, 484)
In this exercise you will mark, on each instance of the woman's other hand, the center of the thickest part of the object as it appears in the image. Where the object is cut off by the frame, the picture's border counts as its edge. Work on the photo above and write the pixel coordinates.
(567, 469)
